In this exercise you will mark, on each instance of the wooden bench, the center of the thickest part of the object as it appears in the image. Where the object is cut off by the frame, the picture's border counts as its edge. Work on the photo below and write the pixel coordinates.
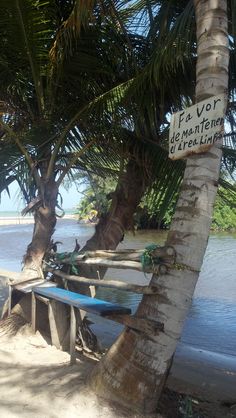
(74, 300)
(25, 287)
(157, 259)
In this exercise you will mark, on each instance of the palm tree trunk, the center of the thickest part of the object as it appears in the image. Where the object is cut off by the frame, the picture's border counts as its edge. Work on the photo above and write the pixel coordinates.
(111, 228)
(44, 224)
(129, 191)
(134, 370)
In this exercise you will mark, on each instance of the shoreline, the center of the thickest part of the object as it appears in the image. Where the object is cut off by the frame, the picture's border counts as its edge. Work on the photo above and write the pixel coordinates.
(24, 220)
(202, 373)
(27, 220)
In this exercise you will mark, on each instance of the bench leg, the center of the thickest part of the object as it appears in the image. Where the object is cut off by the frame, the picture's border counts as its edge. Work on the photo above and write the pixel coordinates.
(58, 324)
(72, 335)
(33, 313)
(9, 300)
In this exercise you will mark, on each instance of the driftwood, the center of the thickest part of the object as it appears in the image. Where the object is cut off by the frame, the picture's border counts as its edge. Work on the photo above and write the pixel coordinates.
(135, 288)
(127, 254)
(123, 264)
(164, 253)
(123, 259)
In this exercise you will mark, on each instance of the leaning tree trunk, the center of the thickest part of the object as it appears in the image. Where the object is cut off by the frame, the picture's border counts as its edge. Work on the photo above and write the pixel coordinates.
(45, 221)
(44, 224)
(134, 370)
(111, 228)
(109, 233)
(125, 199)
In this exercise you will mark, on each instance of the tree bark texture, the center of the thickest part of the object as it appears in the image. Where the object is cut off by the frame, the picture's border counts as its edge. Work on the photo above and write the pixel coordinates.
(110, 230)
(135, 368)
(44, 225)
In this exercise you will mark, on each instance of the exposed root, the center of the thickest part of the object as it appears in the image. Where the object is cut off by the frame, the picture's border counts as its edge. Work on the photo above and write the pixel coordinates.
(11, 325)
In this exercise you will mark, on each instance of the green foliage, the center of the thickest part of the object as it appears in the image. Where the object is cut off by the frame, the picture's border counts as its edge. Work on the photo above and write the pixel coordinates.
(154, 213)
(147, 259)
(89, 79)
(96, 200)
(224, 215)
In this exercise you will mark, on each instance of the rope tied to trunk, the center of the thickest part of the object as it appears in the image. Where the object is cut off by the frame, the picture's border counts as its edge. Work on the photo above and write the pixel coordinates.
(72, 256)
(147, 258)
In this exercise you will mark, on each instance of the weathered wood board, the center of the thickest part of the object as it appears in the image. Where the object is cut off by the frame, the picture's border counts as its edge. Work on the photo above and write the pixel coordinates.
(196, 128)
(86, 303)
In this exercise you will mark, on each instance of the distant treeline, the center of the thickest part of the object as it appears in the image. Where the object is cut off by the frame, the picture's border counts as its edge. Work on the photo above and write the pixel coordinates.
(96, 201)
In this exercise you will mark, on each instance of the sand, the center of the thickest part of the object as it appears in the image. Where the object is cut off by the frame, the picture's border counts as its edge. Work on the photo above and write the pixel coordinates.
(37, 381)
(24, 220)
(16, 220)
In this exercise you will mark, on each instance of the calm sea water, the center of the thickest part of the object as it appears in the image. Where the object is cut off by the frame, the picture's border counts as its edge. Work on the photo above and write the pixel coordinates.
(211, 323)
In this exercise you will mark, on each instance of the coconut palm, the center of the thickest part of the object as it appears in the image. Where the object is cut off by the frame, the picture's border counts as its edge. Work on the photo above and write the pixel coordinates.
(44, 91)
(134, 370)
(51, 111)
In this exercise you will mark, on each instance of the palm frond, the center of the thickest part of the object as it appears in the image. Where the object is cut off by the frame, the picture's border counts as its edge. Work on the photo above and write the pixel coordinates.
(230, 196)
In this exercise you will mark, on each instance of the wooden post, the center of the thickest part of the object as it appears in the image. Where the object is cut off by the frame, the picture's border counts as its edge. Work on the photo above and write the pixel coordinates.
(57, 322)
(72, 335)
(9, 299)
(33, 313)
(122, 264)
(116, 284)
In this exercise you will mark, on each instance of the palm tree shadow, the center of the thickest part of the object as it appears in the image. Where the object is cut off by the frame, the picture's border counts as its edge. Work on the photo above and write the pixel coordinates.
(36, 389)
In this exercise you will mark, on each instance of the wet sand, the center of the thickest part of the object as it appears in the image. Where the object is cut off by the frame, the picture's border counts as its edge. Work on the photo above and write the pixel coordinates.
(204, 374)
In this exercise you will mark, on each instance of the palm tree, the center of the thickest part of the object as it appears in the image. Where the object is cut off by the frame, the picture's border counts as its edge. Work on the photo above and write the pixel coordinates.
(43, 98)
(51, 112)
(134, 370)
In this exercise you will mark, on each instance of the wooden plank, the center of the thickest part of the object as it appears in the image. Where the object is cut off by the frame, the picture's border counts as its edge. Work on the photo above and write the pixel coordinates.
(144, 325)
(9, 299)
(119, 255)
(86, 303)
(27, 286)
(42, 299)
(116, 284)
(33, 313)
(196, 128)
(57, 322)
(124, 264)
(72, 335)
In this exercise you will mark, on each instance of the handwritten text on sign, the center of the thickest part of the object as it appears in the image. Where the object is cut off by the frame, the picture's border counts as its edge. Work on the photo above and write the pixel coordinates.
(197, 128)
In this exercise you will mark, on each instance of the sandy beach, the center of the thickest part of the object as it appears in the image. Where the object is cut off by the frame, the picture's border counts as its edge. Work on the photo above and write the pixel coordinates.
(15, 220)
(37, 381)
(23, 220)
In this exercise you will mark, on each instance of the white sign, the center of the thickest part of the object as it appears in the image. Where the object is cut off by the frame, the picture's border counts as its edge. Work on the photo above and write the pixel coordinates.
(197, 128)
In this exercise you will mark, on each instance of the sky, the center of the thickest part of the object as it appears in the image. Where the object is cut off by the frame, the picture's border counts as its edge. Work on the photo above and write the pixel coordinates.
(70, 199)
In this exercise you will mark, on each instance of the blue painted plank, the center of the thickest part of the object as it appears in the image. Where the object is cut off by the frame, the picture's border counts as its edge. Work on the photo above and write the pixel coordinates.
(86, 303)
